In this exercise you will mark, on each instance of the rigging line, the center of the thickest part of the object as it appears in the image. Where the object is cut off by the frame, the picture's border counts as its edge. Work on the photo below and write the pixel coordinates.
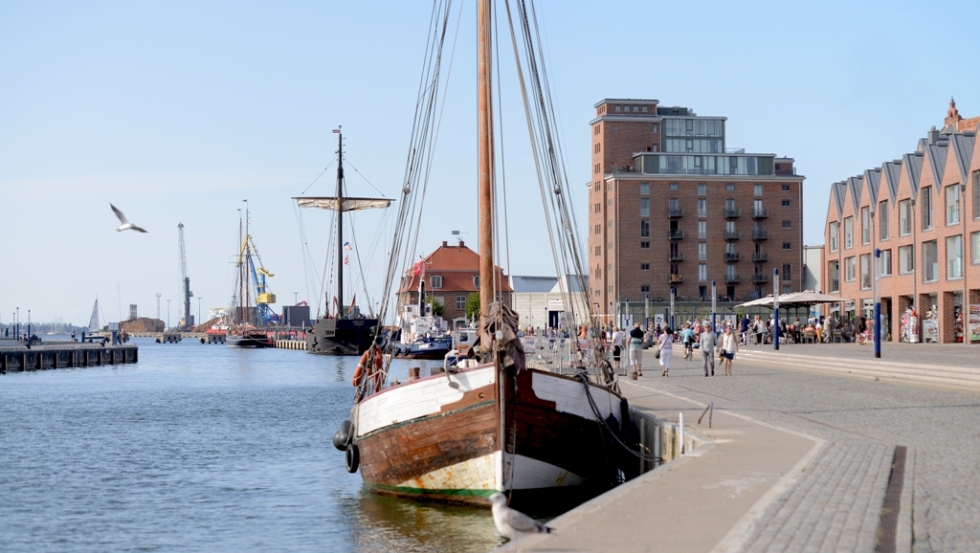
(503, 165)
(325, 169)
(363, 177)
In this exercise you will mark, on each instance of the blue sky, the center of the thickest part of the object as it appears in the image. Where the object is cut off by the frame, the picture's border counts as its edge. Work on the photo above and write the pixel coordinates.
(176, 112)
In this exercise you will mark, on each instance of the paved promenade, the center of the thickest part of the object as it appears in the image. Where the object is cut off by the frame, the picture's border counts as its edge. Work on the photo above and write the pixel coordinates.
(833, 501)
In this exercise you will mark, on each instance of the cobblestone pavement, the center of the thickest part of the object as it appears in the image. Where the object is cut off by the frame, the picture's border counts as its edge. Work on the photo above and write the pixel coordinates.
(863, 420)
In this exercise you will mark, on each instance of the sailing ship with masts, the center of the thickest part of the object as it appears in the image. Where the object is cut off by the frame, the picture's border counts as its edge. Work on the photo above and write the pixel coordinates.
(243, 332)
(497, 423)
(342, 329)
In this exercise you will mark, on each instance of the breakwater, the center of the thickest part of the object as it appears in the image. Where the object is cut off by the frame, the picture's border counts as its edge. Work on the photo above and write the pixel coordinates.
(15, 356)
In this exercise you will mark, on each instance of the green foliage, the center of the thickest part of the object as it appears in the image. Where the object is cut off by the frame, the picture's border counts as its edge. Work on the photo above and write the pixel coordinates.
(436, 307)
(472, 305)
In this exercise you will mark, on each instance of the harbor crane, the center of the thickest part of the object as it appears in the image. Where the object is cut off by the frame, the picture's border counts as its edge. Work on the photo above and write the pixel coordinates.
(185, 282)
(263, 296)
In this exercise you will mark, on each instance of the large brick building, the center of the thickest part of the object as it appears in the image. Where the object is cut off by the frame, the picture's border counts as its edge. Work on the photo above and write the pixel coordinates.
(670, 205)
(920, 211)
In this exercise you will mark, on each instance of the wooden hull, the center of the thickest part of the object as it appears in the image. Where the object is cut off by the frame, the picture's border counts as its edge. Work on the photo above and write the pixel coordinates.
(537, 439)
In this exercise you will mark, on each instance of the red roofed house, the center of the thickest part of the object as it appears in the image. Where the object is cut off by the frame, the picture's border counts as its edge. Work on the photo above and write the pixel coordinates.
(451, 274)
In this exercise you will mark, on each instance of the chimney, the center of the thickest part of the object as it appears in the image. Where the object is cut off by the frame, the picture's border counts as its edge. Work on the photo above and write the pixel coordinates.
(462, 244)
(444, 243)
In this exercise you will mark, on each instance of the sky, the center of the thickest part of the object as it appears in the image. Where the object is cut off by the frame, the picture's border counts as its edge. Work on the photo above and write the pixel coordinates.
(176, 112)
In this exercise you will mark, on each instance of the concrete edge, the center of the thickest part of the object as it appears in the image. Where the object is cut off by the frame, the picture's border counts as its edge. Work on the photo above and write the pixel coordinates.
(871, 364)
(903, 533)
(733, 540)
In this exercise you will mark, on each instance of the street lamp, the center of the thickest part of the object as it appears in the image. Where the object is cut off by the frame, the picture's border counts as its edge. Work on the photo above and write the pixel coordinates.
(168, 314)
(295, 298)
(199, 298)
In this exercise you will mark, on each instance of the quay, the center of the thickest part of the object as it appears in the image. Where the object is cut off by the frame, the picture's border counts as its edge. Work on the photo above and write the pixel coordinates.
(815, 447)
(15, 356)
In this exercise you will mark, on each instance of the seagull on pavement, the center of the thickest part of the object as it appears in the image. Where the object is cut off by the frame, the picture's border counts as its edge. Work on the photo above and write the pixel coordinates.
(514, 524)
(126, 225)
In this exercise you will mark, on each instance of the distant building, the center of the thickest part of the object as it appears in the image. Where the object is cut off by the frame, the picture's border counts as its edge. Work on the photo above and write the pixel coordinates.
(451, 274)
(671, 206)
(813, 268)
(543, 302)
(921, 211)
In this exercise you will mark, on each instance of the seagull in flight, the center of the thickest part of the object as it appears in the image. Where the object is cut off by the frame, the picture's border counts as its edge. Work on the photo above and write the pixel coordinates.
(126, 225)
(514, 524)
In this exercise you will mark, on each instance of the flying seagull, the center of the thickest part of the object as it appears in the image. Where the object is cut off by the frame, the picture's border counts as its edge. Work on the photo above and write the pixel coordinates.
(513, 524)
(126, 225)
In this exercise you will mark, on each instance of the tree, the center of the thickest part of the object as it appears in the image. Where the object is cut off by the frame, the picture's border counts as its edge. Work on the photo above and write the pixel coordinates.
(472, 305)
(436, 307)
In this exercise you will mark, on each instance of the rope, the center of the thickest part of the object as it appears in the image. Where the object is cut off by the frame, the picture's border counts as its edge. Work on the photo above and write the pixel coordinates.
(584, 379)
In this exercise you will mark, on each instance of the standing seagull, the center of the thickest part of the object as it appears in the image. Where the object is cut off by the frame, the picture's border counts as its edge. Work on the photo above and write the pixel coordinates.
(126, 225)
(513, 524)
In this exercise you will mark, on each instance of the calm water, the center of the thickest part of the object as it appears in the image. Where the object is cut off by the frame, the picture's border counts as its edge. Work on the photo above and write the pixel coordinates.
(201, 448)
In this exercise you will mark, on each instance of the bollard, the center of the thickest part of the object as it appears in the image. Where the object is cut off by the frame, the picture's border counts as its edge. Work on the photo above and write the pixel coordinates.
(680, 433)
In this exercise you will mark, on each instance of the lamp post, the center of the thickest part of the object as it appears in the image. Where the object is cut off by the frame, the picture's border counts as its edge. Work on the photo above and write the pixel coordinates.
(714, 306)
(646, 310)
(168, 314)
(874, 270)
(965, 309)
(28, 325)
(775, 308)
(673, 292)
(915, 277)
(295, 298)
(199, 298)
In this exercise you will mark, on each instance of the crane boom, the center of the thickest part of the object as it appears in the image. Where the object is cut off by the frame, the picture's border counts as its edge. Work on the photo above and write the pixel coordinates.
(185, 281)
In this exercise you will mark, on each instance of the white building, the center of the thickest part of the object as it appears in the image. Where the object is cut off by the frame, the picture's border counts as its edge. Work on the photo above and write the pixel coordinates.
(541, 304)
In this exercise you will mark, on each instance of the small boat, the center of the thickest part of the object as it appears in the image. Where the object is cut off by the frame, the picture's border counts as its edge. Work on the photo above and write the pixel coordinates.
(248, 338)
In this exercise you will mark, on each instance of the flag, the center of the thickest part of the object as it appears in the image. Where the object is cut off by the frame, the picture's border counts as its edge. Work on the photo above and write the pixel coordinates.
(418, 268)
(336, 131)
(346, 260)
(347, 246)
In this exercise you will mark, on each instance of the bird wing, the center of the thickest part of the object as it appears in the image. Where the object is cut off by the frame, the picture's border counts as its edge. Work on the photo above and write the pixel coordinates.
(134, 227)
(520, 522)
(119, 214)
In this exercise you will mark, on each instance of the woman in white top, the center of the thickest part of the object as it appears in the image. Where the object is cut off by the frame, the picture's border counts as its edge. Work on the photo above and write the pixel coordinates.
(666, 349)
(729, 345)
(617, 343)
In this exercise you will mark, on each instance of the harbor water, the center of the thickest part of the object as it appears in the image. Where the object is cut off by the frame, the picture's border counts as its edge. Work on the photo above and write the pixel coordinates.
(201, 448)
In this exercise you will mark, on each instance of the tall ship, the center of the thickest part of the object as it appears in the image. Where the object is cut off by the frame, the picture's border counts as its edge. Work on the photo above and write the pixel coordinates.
(243, 332)
(342, 329)
(498, 422)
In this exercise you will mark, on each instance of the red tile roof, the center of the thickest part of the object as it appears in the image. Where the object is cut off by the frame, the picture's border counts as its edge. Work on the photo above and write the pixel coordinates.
(457, 265)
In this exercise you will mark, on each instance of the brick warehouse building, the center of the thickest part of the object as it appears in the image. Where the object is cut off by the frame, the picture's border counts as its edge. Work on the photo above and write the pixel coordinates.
(920, 211)
(671, 206)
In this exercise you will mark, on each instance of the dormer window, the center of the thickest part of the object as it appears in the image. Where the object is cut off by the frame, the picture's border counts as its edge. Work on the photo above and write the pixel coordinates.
(435, 282)
(476, 281)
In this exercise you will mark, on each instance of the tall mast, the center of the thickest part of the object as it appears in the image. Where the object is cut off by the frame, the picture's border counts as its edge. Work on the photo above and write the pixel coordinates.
(484, 130)
(340, 225)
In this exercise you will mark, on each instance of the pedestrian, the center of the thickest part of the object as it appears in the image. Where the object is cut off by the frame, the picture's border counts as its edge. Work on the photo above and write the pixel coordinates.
(743, 329)
(760, 328)
(729, 345)
(617, 347)
(636, 351)
(708, 341)
(666, 349)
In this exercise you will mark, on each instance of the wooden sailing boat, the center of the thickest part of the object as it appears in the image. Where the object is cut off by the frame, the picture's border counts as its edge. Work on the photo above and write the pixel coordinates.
(341, 331)
(244, 334)
(496, 424)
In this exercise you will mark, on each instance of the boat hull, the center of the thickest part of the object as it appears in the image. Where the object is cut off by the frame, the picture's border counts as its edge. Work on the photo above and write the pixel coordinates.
(238, 341)
(538, 440)
(341, 336)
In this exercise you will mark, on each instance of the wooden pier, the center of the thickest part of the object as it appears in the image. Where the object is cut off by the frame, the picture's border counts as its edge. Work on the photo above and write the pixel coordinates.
(14, 356)
(290, 344)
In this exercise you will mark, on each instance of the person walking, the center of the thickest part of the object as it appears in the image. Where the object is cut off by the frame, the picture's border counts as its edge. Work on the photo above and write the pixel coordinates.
(708, 341)
(687, 337)
(729, 345)
(617, 341)
(666, 349)
(760, 328)
(743, 329)
(636, 351)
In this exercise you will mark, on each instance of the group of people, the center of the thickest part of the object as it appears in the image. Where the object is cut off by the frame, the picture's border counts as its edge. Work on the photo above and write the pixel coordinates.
(708, 342)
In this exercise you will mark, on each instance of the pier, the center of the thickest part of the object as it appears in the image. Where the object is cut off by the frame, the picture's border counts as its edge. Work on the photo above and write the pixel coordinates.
(15, 356)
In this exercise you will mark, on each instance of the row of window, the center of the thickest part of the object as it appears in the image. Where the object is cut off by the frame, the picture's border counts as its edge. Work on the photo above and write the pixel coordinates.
(435, 282)
(906, 262)
(906, 210)
(757, 190)
(703, 291)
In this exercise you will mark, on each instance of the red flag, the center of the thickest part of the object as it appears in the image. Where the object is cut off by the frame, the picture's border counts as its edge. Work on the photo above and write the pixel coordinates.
(418, 268)
(346, 261)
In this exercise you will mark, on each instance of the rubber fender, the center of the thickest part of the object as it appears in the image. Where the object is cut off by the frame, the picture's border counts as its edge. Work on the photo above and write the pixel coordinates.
(343, 436)
(352, 458)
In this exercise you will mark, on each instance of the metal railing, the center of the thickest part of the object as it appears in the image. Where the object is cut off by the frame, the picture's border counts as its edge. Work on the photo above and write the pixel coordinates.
(732, 213)
(731, 257)
(760, 256)
(760, 213)
(760, 235)
(732, 279)
(675, 212)
(732, 235)
(760, 279)
(675, 234)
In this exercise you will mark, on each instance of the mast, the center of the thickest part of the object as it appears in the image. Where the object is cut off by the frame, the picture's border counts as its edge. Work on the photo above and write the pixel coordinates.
(484, 130)
(340, 225)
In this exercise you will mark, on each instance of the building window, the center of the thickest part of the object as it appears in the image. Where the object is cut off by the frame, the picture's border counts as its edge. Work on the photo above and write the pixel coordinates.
(702, 250)
(460, 303)
(702, 271)
(787, 288)
(702, 189)
(883, 220)
(644, 207)
(849, 269)
(925, 206)
(645, 288)
(906, 260)
(644, 266)
(976, 194)
(702, 229)
(757, 208)
(787, 224)
(785, 186)
(787, 246)
(758, 189)
(952, 204)
(975, 248)
(848, 233)
(833, 273)
(786, 203)
(672, 186)
(930, 261)
(619, 108)
(885, 267)
(865, 225)
(954, 257)
(644, 188)
(904, 218)
(644, 229)
(702, 208)
(866, 272)
(476, 282)
(435, 282)
(655, 127)
(787, 272)
(833, 235)
(644, 245)
(729, 186)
